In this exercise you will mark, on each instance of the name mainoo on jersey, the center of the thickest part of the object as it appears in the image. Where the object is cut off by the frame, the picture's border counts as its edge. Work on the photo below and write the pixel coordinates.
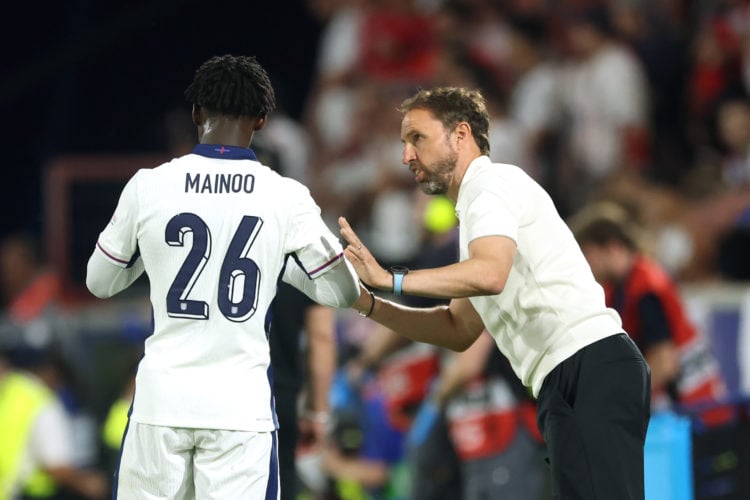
(219, 183)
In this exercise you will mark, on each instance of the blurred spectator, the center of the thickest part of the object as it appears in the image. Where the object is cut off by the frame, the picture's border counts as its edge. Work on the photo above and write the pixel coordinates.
(60, 375)
(605, 96)
(29, 288)
(718, 51)
(406, 371)
(683, 369)
(479, 27)
(407, 377)
(535, 101)
(290, 139)
(36, 457)
(331, 100)
(398, 43)
(493, 426)
(287, 138)
(708, 220)
(660, 44)
(687, 224)
(364, 457)
(711, 70)
(716, 56)
(733, 123)
(32, 336)
(734, 247)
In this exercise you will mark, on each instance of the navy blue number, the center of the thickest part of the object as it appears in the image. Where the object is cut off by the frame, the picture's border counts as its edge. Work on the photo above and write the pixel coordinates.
(239, 278)
(178, 305)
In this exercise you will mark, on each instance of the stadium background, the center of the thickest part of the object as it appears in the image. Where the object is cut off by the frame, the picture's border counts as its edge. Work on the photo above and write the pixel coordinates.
(86, 76)
(100, 78)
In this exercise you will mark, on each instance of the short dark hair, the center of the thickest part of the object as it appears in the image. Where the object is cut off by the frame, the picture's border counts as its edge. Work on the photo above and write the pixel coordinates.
(604, 222)
(452, 105)
(232, 86)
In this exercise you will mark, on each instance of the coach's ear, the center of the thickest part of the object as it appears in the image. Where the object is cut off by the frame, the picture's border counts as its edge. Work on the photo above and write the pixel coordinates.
(462, 131)
(260, 123)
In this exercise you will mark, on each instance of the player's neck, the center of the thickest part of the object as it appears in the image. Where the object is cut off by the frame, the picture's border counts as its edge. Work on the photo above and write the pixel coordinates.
(236, 132)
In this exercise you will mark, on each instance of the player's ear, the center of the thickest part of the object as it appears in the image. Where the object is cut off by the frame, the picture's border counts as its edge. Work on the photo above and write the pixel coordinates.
(197, 115)
(260, 123)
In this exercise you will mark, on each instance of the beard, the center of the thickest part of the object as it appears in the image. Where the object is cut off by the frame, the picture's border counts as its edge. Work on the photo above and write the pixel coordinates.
(439, 175)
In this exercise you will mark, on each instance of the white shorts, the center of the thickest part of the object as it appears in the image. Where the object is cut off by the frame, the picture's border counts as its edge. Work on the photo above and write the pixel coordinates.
(175, 463)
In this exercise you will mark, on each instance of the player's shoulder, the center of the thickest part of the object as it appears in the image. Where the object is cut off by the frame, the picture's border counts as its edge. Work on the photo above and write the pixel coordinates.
(150, 177)
(162, 167)
(175, 166)
(288, 185)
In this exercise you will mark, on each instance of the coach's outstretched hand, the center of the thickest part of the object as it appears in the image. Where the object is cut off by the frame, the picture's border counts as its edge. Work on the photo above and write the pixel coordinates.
(368, 269)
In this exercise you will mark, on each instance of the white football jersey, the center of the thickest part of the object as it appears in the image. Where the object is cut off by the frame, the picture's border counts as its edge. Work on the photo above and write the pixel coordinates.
(213, 229)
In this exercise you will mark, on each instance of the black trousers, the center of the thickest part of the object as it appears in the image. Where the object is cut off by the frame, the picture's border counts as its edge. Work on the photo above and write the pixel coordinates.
(593, 411)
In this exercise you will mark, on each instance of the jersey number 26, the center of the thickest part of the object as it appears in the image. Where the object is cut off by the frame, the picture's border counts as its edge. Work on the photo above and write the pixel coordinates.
(239, 277)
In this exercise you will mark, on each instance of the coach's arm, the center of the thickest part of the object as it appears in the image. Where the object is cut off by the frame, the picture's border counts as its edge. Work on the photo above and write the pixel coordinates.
(455, 326)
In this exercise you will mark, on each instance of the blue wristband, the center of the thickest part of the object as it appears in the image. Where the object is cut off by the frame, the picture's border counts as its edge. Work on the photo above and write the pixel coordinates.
(398, 283)
(398, 273)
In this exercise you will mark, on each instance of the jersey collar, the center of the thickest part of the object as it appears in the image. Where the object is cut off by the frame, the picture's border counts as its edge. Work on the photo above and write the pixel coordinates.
(224, 152)
(471, 171)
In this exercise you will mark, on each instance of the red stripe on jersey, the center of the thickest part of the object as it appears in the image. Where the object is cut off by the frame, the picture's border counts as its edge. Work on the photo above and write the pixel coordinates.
(320, 268)
(110, 255)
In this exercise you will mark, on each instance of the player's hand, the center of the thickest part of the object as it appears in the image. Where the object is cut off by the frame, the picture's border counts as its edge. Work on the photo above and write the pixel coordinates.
(368, 269)
(92, 485)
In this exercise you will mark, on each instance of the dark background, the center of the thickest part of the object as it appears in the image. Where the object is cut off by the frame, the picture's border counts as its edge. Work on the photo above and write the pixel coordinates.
(92, 76)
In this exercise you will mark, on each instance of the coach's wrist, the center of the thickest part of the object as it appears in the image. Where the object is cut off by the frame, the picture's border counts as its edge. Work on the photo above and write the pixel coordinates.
(384, 281)
(366, 310)
(398, 273)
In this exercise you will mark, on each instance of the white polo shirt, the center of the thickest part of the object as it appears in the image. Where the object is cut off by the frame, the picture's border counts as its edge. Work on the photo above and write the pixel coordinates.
(551, 305)
(213, 229)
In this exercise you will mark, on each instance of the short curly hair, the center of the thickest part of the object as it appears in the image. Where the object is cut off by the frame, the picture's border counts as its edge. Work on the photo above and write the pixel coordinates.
(233, 86)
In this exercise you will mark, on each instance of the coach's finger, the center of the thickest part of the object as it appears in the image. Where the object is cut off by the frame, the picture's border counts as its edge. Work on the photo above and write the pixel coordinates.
(348, 233)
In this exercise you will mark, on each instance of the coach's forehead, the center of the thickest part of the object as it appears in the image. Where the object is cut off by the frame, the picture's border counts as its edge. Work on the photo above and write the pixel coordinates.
(419, 120)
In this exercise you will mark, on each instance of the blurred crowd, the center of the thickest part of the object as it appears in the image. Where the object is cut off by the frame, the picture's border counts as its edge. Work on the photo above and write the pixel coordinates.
(645, 103)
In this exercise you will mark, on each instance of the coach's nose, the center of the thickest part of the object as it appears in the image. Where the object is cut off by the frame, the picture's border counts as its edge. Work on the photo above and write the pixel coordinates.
(408, 155)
